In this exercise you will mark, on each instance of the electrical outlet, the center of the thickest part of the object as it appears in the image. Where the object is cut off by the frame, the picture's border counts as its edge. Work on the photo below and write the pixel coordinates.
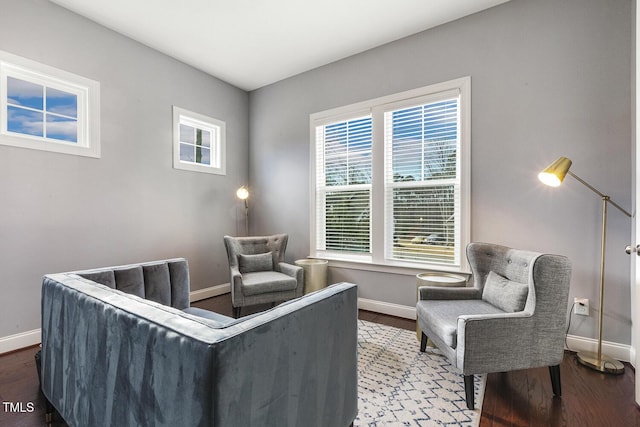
(582, 306)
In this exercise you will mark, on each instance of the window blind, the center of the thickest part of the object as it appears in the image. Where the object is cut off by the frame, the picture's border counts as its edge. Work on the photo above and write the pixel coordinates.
(343, 185)
(422, 183)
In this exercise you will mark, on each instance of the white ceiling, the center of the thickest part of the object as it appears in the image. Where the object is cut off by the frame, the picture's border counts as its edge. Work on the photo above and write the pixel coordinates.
(252, 43)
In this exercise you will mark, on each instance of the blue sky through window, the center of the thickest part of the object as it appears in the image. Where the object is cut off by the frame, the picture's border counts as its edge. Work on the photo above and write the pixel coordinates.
(41, 111)
(24, 121)
(424, 141)
(25, 94)
(348, 152)
(63, 103)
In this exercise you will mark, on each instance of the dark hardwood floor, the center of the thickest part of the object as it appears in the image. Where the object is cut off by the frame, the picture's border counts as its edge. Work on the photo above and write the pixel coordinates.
(519, 398)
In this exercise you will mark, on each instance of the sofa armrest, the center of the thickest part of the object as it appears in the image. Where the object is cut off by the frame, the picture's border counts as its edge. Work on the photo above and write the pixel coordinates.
(448, 293)
(100, 346)
(304, 352)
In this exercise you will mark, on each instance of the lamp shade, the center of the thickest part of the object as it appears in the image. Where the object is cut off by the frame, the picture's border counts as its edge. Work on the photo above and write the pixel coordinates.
(554, 174)
(242, 193)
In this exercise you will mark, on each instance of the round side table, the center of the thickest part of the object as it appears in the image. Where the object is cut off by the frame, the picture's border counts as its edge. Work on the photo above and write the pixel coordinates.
(437, 279)
(315, 273)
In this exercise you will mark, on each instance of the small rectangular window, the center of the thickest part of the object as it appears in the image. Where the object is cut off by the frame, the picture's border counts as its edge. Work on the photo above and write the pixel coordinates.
(45, 108)
(198, 142)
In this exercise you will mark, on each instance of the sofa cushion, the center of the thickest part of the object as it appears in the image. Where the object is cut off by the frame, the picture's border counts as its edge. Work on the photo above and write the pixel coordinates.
(261, 282)
(106, 278)
(215, 319)
(441, 316)
(505, 294)
(157, 283)
(180, 284)
(130, 280)
(253, 263)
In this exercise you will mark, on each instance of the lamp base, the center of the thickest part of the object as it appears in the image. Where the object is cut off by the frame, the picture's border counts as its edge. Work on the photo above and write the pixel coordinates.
(604, 364)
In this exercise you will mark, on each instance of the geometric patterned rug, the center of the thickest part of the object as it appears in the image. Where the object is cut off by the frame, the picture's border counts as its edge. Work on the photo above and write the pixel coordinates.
(399, 386)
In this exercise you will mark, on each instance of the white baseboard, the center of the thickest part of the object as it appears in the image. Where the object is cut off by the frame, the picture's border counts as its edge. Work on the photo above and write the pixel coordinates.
(387, 308)
(18, 341)
(617, 351)
(210, 292)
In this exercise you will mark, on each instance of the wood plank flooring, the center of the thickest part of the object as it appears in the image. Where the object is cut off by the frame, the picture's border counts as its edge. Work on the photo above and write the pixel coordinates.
(519, 398)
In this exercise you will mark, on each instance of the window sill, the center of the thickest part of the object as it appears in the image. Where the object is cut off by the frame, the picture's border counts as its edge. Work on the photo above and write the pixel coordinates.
(406, 269)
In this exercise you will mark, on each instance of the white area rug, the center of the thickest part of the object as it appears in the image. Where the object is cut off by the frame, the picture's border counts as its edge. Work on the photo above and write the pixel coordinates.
(399, 386)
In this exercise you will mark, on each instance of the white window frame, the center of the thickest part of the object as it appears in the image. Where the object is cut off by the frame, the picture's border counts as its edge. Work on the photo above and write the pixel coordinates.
(88, 106)
(377, 260)
(218, 141)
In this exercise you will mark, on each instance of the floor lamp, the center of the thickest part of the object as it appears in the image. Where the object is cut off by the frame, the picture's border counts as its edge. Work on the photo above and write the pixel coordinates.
(243, 194)
(553, 176)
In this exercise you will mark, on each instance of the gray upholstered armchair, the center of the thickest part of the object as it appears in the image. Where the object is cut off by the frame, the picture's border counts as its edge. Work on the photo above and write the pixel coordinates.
(512, 318)
(258, 271)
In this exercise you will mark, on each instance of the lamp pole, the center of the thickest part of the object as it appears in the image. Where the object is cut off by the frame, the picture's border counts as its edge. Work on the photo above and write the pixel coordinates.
(243, 194)
(596, 360)
(246, 217)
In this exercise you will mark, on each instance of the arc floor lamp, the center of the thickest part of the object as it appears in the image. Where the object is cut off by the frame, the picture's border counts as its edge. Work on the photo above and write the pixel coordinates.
(553, 176)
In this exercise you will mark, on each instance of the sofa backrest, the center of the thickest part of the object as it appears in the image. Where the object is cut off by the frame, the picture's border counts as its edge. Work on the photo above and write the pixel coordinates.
(165, 282)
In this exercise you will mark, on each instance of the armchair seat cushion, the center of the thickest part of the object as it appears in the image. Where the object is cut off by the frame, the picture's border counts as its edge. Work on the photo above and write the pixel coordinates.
(442, 316)
(262, 282)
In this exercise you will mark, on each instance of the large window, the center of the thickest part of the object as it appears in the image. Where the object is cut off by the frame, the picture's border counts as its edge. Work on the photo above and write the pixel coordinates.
(391, 179)
(45, 108)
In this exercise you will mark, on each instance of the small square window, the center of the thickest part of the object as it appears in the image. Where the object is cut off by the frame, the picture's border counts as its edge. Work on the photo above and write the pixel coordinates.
(44, 108)
(198, 142)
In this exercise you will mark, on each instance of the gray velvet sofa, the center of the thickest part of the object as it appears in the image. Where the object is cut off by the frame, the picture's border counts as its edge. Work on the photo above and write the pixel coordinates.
(121, 346)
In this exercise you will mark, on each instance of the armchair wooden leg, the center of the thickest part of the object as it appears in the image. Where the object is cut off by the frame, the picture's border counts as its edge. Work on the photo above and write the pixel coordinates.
(423, 342)
(236, 312)
(468, 391)
(555, 380)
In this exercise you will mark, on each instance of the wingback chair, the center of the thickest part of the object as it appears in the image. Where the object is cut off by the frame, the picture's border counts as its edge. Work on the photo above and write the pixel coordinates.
(512, 318)
(258, 271)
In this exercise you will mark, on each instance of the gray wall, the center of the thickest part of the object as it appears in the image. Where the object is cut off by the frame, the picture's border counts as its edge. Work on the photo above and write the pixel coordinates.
(549, 78)
(60, 212)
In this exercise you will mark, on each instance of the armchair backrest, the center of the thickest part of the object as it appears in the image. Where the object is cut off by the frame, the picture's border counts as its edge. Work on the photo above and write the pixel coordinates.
(548, 278)
(513, 264)
(276, 244)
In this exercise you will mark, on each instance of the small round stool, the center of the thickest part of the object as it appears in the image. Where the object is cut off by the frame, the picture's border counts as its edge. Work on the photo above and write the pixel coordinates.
(315, 273)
